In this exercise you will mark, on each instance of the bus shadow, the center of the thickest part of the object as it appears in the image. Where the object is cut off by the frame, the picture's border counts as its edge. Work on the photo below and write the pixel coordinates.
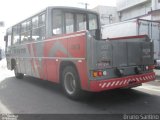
(125, 101)
(12, 82)
(29, 89)
(20, 95)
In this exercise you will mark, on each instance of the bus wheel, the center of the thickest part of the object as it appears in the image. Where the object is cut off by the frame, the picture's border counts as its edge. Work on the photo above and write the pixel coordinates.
(18, 75)
(70, 83)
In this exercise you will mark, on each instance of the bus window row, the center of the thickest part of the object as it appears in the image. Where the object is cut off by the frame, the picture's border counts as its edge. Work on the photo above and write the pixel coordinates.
(30, 30)
(68, 22)
(62, 22)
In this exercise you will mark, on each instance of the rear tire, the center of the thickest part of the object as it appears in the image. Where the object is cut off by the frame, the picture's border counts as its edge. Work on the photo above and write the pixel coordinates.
(71, 83)
(18, 75)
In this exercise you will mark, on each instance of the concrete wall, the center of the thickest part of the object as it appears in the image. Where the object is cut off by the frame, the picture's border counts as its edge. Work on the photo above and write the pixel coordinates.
(124, 4)
(129, 9)
(155, 4)
(158, 4)
(156, 15)
(108, 14)
(136, 11)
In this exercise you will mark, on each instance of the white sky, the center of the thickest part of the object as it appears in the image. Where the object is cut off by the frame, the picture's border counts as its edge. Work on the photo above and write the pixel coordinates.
(13, 11)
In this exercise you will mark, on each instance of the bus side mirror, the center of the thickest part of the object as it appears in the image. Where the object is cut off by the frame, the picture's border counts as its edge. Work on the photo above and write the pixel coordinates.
(6, 38)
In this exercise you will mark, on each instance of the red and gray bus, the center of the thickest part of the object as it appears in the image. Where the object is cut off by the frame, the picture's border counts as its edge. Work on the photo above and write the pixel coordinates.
(64, 45)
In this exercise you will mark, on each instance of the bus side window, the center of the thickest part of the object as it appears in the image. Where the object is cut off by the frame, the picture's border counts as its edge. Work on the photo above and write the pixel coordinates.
(69, 20)
(9, 38)
(42, 24)
(57, 22)
(35, 30)
(38, 27)
(28, 30)
(16, 34)
(23, 32)
(93, 22)
(81, 22)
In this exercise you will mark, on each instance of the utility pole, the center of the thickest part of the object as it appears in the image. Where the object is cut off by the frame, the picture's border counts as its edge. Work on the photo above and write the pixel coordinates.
(85, 4)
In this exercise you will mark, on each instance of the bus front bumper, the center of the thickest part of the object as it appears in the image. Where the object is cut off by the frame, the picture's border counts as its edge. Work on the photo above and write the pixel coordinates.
(123, 82)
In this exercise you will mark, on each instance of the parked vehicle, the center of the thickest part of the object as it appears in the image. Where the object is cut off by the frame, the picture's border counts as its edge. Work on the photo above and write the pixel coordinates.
(64, 45)
(136, 27)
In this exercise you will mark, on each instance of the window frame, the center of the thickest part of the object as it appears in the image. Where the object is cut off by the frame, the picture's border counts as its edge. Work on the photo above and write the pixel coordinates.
(27, 31)
(75, 13)
(39, 27)
(18, 32)
(65, 24)
(77, 21)
(9, 32)
(62, 21)
(97, 23)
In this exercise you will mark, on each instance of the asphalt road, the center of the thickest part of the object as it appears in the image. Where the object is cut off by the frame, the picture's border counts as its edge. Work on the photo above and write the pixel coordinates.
(31, 95)
(35, 96)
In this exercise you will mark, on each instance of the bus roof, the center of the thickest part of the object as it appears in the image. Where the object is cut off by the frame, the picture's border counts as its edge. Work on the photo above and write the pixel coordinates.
(56, 7)
(73, 8)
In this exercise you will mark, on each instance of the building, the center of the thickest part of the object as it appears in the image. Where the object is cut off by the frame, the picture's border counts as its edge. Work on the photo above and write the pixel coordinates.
(147, 9)
(108, 14)
(155, 15)
(129, 9)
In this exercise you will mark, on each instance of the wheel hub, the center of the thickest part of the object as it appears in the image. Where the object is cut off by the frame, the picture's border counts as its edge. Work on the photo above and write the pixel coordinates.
(70, 83)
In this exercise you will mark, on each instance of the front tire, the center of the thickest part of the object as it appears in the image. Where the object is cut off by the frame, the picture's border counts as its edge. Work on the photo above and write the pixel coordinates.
(18, 75)
(71, 83)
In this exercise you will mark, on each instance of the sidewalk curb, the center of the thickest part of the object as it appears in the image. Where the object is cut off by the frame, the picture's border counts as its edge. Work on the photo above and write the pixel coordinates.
(157, 80)
(151, 87)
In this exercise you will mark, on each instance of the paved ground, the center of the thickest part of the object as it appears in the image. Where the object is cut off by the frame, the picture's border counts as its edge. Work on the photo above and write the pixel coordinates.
(32, 95)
